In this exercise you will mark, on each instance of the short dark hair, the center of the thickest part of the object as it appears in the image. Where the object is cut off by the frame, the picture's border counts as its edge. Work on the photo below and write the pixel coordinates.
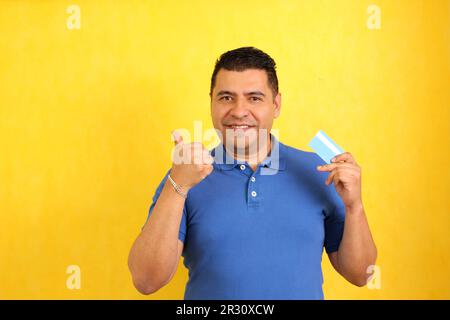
(244, 58)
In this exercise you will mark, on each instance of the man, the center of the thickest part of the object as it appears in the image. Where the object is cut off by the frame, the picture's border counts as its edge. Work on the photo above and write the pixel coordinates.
(255, 227)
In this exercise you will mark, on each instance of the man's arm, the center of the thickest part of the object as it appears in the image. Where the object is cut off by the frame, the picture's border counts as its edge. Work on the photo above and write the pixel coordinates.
(357, 250)
(154, 256)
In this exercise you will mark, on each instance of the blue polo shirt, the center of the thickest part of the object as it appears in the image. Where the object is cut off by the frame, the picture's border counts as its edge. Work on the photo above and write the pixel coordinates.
(259, 234)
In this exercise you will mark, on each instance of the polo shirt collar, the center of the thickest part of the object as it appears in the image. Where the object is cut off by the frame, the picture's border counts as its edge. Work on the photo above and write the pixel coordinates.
(228, 162)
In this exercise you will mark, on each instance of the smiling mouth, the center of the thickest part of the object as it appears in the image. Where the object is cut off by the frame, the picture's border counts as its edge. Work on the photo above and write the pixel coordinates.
(242, 126)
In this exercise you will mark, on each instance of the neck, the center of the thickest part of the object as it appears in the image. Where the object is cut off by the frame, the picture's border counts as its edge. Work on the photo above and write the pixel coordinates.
(255, 158)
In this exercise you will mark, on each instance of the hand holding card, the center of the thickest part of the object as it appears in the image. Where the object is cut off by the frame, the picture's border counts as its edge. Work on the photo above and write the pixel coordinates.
(345, 173)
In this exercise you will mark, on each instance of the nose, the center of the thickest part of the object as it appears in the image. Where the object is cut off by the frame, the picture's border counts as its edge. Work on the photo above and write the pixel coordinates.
(239, 109)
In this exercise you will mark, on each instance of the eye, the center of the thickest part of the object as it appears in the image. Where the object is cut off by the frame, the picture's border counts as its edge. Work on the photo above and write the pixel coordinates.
(255, 99)
(225, 98)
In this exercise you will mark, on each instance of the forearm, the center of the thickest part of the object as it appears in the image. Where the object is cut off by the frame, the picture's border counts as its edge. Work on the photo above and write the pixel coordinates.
(153, 255)
(357, 250)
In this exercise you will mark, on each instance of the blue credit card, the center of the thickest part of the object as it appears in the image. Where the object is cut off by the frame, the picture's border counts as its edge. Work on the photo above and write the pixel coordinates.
(325, 147)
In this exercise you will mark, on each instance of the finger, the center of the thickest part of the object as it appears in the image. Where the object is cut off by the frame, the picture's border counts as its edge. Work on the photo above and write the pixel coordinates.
(197, 160)
(330, 178)
(205, 153)
(208, 159)
(332, 166)
(201, 156)
(336, 179)
(342, 173)
(197, 149)
(209, 169)
(346, 156)
(202, 161)
(177, 138)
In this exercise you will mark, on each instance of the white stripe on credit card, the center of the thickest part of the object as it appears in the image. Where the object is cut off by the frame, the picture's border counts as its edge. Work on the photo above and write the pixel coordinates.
(328, 143)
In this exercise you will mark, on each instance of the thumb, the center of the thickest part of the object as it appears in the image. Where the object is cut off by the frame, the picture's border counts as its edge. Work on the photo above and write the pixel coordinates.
(177, 138)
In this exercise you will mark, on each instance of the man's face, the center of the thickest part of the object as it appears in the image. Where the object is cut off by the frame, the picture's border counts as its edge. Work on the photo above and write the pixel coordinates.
(242, 104)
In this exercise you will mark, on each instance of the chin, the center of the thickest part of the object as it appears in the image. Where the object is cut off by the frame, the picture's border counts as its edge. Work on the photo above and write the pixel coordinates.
(246, 148)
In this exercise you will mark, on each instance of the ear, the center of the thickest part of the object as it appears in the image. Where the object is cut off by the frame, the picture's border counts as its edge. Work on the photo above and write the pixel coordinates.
(277, 105)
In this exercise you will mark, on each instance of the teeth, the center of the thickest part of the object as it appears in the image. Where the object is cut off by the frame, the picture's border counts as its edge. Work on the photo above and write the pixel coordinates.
(239, 127)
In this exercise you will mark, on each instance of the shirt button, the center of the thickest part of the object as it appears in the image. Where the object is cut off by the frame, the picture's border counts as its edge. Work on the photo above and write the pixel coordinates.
(253, 179)
(253, 193)
(242, 167)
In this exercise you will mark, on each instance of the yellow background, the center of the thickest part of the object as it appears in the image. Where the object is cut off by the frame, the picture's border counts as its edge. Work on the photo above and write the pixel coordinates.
(86, 116)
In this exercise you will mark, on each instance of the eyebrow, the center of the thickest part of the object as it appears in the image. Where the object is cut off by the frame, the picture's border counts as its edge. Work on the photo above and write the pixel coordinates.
(225, 92)
(250, 93)
(255, 93)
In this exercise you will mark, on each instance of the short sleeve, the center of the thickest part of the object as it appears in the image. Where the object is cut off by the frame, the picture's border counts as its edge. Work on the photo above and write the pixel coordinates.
(334, 221)
(183, 224)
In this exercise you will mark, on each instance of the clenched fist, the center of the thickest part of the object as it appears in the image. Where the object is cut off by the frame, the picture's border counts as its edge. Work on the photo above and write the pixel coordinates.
(191, 162)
